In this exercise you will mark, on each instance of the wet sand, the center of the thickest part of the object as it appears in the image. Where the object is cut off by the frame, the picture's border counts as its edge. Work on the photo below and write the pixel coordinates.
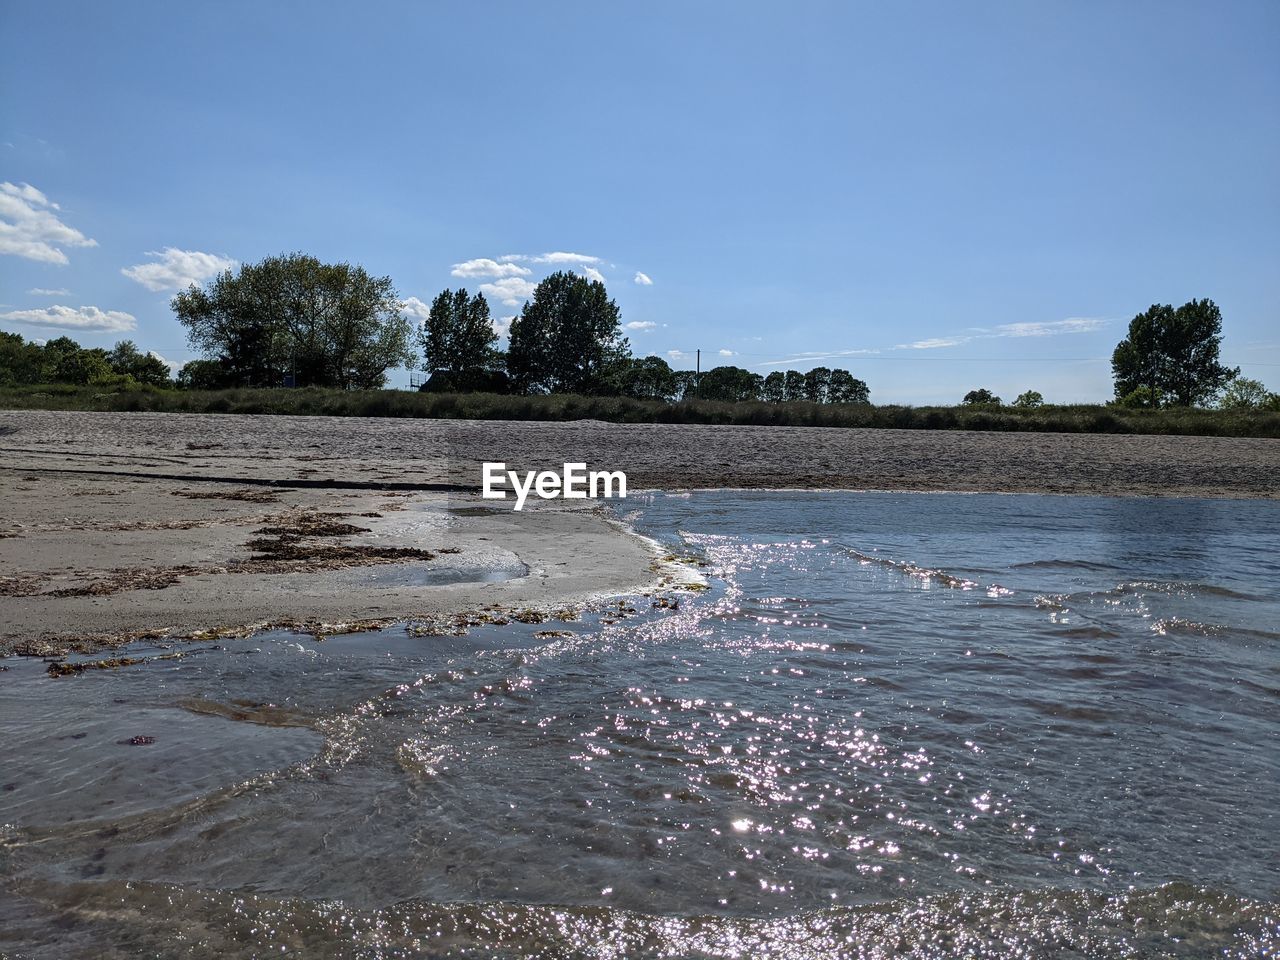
(117, 525)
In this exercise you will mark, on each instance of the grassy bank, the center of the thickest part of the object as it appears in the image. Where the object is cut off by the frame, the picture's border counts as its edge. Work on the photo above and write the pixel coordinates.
(486, 406)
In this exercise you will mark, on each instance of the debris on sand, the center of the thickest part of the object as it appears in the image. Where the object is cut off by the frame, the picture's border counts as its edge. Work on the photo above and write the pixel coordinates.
(247, 495)
(129, 578)
(23, 585)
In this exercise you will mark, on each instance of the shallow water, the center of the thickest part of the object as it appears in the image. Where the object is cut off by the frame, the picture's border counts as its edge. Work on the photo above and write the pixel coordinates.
(898, 724)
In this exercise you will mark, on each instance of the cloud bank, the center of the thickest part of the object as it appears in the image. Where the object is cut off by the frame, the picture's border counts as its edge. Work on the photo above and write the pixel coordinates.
(83, 319)
(29, 227)
(178, 269)
(484, 267)
(512, 291)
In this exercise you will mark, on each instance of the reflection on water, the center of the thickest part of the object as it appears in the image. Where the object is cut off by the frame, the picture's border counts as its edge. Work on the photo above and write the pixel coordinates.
(898, 725)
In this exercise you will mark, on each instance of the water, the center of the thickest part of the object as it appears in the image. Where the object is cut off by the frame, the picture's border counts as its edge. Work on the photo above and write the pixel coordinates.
(896, 725)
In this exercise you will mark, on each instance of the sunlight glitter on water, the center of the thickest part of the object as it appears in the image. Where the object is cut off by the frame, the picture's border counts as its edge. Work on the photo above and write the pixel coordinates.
(824, 754)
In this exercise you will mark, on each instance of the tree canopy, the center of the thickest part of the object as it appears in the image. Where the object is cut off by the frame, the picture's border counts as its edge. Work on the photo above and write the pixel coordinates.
(62, 360)
(294, 317)
(1243, 393)
(981, 397)
(566, 338)
(1173, 354)
(458, 333)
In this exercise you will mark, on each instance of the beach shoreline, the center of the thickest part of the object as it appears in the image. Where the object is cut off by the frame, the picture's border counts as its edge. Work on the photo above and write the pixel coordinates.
(132, 526)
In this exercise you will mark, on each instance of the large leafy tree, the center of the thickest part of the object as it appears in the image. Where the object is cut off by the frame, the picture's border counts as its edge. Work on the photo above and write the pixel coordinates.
(816, 384)
(793, 385)
(65, 361)
(128, 361)
(844, 387)
(644, 378)
(1172, 355)
(982, 397)
(774, 387)
(19, 361)
(292, 316)
(458, 334)
(732, 384)
(566, 338)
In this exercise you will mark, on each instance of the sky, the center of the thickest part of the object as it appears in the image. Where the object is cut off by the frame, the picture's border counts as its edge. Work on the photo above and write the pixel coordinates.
(934, 196)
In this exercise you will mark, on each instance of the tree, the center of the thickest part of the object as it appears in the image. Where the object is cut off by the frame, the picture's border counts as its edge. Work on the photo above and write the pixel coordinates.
(686, 385)
(981, 397)
(566, 338)
(1244, 394)
(128, 361)
(1173, 353)
(816, 384)
(293, 316)
(846, 388)
(730, 384)
(204, 375)
(644, 378)
(793, 385)
(458, 334)
(1029, 400)
(774, 387)
(19, 361)
(64, 361)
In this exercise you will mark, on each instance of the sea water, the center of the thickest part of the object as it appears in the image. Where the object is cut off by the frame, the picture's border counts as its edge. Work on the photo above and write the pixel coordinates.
(894, 725)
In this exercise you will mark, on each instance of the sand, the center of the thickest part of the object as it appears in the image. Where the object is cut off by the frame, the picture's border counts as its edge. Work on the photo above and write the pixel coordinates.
(121, 525)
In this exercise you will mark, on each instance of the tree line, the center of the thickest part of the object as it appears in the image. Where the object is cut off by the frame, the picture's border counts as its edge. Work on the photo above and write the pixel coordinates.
(292, 320)
(62, 360)
(568, 339)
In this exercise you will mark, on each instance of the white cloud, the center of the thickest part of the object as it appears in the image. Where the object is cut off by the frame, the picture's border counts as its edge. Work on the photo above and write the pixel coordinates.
(415, 309)
(640, 325)
(512, 291)
(502, 325)
(591, 273)
(677, 355)
(178, 269)
(1038, 329)
(484, 267)
(557, 257)
(1070, 325)
(43, 292)
(727, 353)
(813, 356)
(87, 319)
(30, 229)
(643, 279)
(561, 257)
(933, 343)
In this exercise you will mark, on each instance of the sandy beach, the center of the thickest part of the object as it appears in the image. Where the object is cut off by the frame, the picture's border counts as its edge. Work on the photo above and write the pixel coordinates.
(121, 525)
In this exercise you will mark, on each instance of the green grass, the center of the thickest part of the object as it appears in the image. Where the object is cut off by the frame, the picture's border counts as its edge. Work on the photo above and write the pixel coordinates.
(1079, 418)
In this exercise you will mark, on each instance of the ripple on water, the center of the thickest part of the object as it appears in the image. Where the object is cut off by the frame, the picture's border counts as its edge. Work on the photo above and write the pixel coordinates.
(850, 746)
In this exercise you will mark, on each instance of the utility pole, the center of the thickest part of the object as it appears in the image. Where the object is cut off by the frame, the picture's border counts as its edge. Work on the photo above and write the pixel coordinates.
(697, 373)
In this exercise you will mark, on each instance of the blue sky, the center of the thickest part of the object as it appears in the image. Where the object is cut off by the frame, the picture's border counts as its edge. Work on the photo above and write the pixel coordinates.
(934, 196)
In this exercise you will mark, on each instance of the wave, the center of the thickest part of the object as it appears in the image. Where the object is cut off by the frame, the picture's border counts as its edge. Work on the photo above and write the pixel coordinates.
(1173, 920)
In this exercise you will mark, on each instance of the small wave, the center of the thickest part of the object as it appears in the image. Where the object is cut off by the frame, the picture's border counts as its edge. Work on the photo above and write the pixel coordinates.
(1182, 626)
(915, 571)
(1062, 565)
(1173, 920)
(1181, 588)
